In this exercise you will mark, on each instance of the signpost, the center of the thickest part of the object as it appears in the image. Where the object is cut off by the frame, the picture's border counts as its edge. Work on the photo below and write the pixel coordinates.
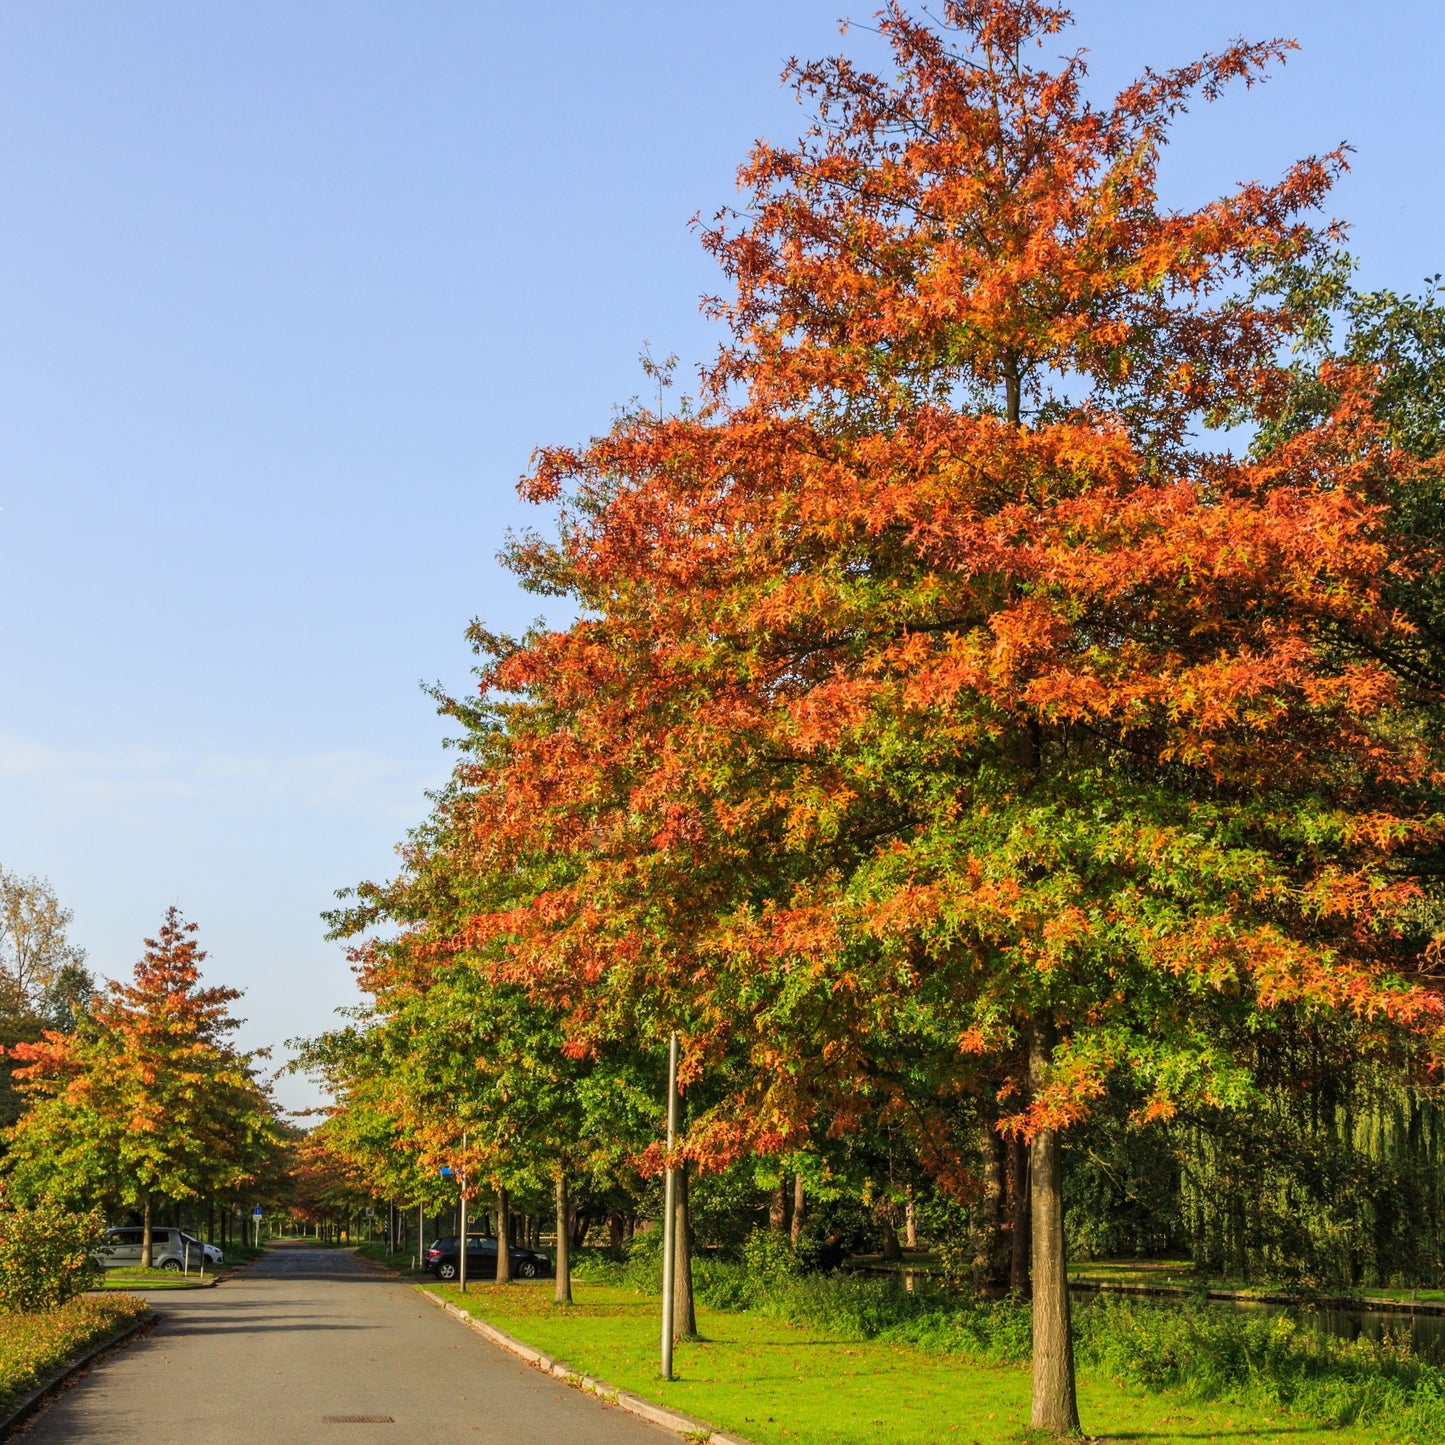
(256, 1227)
(446, 1173)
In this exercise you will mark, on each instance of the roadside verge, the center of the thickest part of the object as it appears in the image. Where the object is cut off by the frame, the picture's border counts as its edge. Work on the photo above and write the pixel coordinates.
(26, 1406)
(675, 1420)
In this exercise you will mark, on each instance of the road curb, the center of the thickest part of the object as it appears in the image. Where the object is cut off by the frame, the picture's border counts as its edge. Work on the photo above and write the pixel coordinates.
(47, 1387)
(675, 1420)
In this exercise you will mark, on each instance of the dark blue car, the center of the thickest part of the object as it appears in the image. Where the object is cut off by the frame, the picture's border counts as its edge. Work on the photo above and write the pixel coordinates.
(442, 1259)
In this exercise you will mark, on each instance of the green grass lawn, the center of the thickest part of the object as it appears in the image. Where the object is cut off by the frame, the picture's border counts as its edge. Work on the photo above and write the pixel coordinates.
(779, 1384)
(1164, 1273)
(137, 1278)
(401, 1263)
(33, 1345)
(240, 1254)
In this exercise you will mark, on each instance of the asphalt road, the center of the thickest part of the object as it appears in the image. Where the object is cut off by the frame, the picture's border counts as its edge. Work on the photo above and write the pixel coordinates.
(308, 1333)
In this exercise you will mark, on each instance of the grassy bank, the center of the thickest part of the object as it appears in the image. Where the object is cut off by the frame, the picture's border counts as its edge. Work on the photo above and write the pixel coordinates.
(401, 1263)
(781, 1382)
(237, 1254)
(1186, 1347)
(33, 1345)
(125, 1279)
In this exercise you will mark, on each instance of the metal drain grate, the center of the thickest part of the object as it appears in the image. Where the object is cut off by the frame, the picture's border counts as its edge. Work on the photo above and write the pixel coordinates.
(357, 1420)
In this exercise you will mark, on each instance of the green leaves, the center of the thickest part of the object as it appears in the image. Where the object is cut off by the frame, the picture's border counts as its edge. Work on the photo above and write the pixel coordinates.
(147, 1094)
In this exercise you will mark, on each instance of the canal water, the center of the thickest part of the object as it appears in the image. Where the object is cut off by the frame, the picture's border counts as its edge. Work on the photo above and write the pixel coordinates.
(1425, 1332)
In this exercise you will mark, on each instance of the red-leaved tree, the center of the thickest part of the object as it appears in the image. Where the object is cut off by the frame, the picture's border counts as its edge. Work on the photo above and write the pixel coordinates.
(147, 1095)
(949, 708)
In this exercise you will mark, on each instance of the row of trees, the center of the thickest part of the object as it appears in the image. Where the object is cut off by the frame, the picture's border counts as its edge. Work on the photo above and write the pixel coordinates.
(133, 1096)
(1004, 701)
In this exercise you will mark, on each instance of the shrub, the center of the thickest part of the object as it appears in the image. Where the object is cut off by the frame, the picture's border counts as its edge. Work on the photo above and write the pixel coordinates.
(768, 1255)
(33, 1345)
(1218, 1354)
(45, 1255)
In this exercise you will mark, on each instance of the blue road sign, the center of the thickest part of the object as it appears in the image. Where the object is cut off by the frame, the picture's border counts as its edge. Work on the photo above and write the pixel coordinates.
(446, 1171)
(256, 1212)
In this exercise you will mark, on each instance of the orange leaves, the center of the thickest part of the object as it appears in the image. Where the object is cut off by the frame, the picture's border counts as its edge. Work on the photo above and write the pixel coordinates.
(977, 219)
(931, 677)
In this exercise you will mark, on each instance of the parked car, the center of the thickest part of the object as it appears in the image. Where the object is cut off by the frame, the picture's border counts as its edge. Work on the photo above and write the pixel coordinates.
(170, 1248)
(443, 1258)
(215, 1256)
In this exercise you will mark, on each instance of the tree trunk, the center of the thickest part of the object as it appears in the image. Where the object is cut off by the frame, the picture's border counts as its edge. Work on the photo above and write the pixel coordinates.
(799, 1204)
(684, 1317)
(778, 1209)
(891, 1251)
(1019, 1246)
(910, 1222)
(1055, 1404)
(504, 1251)
(564, 1266)
(988, 1218)
(614, 1234)
(145, 1238)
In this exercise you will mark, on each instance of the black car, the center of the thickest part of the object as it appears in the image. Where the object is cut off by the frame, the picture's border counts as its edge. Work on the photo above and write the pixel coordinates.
(442, 1259)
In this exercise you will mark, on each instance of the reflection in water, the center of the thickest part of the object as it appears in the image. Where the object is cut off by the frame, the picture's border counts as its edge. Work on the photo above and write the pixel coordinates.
(1426, 1333)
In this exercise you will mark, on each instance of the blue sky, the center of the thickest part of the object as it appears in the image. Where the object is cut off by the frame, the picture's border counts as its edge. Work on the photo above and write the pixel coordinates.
(288, 294)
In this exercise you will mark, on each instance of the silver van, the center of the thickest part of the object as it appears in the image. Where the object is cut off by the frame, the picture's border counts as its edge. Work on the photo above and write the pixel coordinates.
(170, 1249)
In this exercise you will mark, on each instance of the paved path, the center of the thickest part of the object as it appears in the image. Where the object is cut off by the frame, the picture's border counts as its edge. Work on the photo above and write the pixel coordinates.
(307, 1333)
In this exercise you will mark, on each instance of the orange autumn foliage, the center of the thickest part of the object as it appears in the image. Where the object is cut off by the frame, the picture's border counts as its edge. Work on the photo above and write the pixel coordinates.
(934, 671)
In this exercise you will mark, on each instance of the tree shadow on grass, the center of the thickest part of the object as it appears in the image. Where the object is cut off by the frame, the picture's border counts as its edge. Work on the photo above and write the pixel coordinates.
(1252, 1432)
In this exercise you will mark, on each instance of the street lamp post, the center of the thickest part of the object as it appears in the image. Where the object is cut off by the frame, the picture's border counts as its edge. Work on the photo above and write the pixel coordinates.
(462, 1241)
(669, 1209)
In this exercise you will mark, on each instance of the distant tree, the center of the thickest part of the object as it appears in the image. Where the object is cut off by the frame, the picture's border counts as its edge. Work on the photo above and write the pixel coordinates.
(38, 963)
(147, 1095)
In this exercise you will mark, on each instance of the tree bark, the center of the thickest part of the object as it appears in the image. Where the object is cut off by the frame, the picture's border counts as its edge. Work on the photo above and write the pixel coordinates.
(891, 1251)
(614, 1234)
(684, 1316)
(778, 1209)
(504, 1252)
(1019, 1245)
(145, 1238)
(563, 1295)
(910, 1222)
(799, 1208)
(988, 1218)
(1055, 1403)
